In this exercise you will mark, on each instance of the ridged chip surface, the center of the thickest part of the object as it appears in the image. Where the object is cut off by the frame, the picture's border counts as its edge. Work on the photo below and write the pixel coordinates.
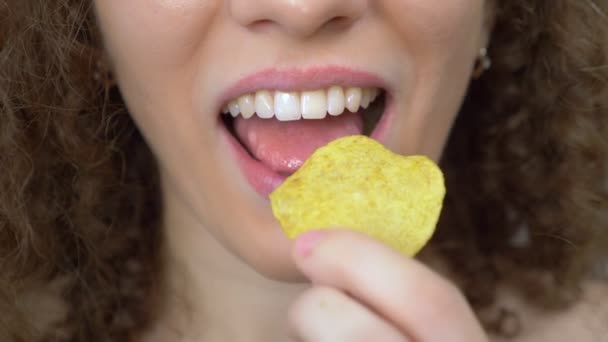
(355, 182)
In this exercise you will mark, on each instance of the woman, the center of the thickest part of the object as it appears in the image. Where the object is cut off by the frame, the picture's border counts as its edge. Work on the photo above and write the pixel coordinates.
(133, 209)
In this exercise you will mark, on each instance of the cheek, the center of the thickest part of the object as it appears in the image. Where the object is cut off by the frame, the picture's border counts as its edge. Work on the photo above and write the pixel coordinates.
(436, 23)
(155, 50)
(154, 33)
(442, 39)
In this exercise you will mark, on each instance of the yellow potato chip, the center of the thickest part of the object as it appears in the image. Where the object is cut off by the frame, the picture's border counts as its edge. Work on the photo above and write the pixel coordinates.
(356, 183)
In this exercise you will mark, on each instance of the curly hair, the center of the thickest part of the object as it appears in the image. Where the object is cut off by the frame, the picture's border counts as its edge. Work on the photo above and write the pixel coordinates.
(80, 199)
(529, 153)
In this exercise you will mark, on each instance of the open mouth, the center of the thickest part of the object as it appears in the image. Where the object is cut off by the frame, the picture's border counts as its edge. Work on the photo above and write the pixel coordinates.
(275, 132)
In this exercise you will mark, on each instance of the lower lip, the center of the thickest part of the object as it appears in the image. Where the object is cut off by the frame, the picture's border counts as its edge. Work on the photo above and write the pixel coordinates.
(262, 178)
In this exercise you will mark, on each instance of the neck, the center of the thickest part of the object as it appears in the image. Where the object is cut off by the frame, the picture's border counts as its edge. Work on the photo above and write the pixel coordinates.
(210, 294)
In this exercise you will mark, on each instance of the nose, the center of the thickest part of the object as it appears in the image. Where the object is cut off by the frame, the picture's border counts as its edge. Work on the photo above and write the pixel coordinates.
(301, 18)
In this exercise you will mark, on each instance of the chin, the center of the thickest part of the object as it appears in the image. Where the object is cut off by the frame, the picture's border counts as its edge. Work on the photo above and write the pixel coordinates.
(269, 254)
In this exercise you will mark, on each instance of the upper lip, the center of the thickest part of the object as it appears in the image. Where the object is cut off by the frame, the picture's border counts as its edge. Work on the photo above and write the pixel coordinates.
(299, 79)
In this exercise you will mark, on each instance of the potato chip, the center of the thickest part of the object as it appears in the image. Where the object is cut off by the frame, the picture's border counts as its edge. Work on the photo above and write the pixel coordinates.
(356, 183)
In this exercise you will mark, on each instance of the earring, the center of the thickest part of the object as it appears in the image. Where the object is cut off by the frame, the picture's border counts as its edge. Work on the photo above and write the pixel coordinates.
(482, 63)
(102, 73)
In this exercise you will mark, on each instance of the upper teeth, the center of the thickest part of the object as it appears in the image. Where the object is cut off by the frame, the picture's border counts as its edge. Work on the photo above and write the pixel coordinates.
(314, 104)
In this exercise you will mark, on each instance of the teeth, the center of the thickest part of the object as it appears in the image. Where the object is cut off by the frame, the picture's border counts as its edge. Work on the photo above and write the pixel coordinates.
(366, 97)
(247, 106)
(375, 93)
(335, 101)
(314, 104)
(233, 107)
(287, 106)
(353, 99)
(264, 104)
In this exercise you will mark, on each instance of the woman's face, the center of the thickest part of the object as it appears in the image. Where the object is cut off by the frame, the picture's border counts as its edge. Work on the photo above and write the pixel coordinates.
(179, 63)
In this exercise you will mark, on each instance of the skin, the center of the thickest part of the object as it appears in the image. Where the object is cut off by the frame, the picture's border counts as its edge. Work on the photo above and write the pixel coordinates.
(237, 277)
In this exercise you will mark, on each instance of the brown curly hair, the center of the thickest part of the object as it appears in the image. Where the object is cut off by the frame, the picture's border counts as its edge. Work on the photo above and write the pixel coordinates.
(79, 199)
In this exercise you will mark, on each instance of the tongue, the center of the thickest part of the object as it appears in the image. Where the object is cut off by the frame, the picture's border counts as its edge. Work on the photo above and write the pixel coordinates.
(284, 145)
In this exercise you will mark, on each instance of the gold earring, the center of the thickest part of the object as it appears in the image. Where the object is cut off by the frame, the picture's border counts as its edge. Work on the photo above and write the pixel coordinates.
(482, 63)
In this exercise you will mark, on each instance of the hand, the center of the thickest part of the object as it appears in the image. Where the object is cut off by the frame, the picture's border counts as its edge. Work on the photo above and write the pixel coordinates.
(365, 291)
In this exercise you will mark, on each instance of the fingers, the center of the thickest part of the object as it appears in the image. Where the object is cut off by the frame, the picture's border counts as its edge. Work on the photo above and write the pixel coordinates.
(413, 298)
(326, 314)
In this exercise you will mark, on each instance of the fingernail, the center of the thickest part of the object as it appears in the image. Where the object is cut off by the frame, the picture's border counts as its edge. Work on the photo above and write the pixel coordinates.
(307, 242)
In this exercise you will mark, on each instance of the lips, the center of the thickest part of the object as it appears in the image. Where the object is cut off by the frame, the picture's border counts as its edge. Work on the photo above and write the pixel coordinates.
(274, 120)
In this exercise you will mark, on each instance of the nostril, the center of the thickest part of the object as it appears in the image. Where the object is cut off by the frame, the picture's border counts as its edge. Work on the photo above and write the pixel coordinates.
(338, 22)
(261, 25)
